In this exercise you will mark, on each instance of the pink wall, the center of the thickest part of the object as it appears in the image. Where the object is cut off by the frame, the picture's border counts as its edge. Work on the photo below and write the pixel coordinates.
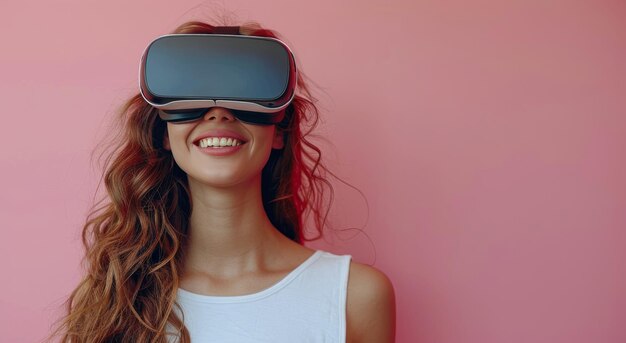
(488, 137)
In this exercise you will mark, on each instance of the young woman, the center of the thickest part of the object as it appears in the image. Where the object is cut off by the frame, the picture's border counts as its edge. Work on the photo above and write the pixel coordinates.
(205, 246)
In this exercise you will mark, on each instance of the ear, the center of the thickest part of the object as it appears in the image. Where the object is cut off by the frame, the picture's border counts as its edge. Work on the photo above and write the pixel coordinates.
(278, 142)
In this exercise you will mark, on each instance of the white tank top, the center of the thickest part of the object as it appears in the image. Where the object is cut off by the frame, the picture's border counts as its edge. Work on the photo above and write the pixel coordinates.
(308, 305)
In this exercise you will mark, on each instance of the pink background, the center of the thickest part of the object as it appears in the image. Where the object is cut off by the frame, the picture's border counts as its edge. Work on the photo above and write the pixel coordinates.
(488, 138)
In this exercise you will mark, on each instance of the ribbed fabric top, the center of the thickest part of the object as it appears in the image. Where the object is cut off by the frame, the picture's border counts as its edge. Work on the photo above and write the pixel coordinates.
(307, 305)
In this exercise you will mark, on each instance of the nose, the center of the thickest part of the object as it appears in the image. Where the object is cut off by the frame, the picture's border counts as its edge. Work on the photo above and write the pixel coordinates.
(219, 114)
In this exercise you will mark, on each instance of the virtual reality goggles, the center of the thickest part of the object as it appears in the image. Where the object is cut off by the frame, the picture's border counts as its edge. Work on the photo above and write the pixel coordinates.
(184, 75)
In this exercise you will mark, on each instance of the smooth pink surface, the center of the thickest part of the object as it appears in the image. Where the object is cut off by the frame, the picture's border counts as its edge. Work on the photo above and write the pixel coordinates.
(488, 137)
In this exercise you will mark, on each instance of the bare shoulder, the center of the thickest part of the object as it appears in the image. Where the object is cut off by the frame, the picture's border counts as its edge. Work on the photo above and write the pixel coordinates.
(370, 306)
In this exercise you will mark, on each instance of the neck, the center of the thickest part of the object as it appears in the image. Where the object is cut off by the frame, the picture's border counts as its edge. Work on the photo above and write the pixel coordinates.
(230, 232)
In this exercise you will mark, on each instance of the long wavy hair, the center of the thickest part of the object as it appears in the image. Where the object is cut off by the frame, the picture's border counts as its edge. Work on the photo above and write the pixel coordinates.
(135, 237)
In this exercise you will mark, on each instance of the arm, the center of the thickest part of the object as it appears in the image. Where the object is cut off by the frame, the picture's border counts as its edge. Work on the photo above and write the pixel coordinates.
(371, 307)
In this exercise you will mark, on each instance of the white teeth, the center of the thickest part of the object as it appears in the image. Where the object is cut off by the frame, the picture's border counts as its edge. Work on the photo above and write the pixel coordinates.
(218, 142)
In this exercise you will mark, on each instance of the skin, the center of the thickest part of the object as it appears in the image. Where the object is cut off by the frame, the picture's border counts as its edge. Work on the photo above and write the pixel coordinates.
(234, 249)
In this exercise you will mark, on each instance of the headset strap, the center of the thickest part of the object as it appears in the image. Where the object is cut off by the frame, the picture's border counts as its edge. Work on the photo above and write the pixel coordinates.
(228, 30)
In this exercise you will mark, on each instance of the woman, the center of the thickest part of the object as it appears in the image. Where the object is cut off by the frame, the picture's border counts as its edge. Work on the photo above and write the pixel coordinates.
(192, 246)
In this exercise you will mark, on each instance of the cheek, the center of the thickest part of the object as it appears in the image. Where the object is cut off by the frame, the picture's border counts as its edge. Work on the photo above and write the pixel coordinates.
(176, 140)
(263, 134)
(261, 145)
(259, 149)
(176, 134)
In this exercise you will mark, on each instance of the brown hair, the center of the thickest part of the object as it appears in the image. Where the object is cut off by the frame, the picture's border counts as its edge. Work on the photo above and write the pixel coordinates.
(135, 242)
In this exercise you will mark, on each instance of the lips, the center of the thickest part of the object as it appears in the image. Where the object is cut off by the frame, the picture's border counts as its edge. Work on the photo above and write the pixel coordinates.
(220, 133)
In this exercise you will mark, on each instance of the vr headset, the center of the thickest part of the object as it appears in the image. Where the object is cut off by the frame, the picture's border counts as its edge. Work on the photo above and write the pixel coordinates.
(184, 75)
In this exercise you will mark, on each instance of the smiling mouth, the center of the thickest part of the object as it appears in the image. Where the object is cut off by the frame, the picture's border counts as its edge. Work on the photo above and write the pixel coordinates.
(219, 142)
